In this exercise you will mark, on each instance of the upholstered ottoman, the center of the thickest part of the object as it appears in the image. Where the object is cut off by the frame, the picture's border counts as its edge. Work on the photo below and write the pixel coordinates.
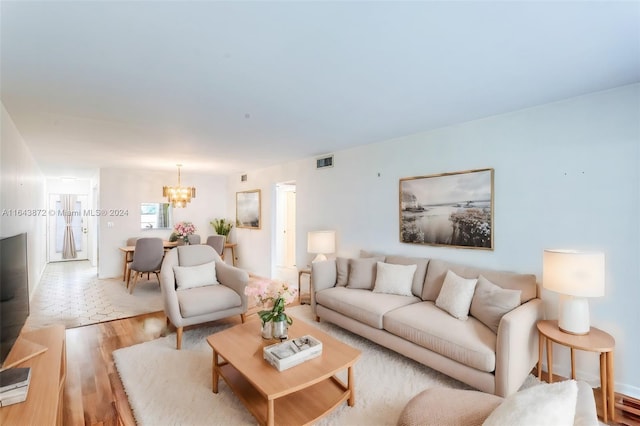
(452, 407)
(558, 403)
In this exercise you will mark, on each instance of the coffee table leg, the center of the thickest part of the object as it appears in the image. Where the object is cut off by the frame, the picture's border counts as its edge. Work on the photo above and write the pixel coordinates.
(271, 418)
(352, 395)
(215, 372)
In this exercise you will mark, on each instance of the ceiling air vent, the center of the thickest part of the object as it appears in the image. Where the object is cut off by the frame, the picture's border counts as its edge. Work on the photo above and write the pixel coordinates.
(323, 162)
(243, 178)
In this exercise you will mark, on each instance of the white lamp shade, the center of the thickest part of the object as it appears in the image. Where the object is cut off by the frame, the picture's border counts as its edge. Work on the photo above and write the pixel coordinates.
(321, 242)
(574, 273)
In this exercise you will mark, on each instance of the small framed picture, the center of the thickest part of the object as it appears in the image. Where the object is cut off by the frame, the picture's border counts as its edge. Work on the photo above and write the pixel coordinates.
(248, 209)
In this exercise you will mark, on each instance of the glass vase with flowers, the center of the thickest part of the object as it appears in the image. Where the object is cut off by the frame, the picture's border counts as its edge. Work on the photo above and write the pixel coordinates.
(273, 296)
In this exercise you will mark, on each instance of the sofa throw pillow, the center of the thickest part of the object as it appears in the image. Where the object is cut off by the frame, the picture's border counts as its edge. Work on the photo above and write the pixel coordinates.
(394, 279)
(342, 271)
(549, 404)
(362, 272)
(195, 276)
(456, 295)
(490, 302)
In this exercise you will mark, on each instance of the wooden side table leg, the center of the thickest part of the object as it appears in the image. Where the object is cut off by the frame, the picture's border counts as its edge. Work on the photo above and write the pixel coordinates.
(603, 385)
(540, 348)
(573, 364)
(610, 387)
(233, 254)
(215, 372)
(352, 395)
(550, 360)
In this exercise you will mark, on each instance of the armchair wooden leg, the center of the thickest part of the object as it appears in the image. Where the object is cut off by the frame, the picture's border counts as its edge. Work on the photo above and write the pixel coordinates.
(243, 317)
(178, 338)
(317, 318)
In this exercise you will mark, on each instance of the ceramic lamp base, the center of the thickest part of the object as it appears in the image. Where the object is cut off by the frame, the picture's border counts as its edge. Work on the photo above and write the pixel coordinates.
(319, 258)
(574, 315)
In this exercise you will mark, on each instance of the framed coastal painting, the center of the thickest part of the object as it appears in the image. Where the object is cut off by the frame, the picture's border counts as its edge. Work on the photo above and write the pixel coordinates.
(448, 209)
(248, 209)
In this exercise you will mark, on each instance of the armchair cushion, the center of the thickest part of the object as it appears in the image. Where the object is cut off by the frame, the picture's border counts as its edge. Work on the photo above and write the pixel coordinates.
(195, 276)
(204, 300)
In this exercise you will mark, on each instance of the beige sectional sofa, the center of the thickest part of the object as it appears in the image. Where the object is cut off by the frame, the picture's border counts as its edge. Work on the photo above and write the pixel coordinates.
(345, 292)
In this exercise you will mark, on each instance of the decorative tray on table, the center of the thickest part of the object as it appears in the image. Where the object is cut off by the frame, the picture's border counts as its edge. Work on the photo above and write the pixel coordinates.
(292, 352)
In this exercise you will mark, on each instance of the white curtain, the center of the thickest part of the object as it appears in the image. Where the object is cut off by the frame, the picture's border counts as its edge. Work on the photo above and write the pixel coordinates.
(68, 202)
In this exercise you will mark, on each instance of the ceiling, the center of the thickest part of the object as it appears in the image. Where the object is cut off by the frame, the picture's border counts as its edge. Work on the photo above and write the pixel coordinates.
(225, 87)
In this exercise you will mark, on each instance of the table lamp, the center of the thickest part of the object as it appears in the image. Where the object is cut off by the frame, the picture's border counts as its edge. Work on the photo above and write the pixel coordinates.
(321, 243)
(575, 275)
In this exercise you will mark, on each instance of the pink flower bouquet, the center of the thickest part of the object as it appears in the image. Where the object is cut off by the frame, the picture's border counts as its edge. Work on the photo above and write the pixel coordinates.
(272, 294)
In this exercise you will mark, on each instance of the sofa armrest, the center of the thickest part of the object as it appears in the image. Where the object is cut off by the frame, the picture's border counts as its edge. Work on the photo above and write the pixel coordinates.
(234, 278)
(168, 287)
(517, 346)
(323, 275)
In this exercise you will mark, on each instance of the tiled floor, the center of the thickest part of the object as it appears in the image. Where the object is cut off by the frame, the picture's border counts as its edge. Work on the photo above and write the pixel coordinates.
(70, 293)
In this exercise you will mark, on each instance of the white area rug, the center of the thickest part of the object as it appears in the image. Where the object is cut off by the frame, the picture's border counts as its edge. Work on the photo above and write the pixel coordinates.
(166, 386)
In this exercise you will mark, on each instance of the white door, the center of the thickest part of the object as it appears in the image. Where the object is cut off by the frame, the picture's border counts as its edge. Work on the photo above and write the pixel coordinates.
(285, 242)
(67, 228)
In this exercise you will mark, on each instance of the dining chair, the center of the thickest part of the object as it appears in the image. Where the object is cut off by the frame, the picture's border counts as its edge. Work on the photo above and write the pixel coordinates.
(147, 257)
(217, 242)
(128, 259)
(194, 239)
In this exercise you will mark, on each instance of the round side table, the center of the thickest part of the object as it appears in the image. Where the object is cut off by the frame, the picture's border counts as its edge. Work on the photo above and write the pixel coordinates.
(596, 341)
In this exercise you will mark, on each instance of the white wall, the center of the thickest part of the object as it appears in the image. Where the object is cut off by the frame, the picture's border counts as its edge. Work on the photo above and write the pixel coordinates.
(125, 189)
(566, 176)
(22, 190)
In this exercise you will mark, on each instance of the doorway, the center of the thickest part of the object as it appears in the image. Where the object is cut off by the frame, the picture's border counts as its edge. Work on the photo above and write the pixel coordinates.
(68, 227)
(285, 236)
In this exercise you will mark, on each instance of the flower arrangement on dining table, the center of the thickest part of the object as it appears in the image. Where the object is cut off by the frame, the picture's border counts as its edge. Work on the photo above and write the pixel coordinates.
(274, 295)
(183, 230)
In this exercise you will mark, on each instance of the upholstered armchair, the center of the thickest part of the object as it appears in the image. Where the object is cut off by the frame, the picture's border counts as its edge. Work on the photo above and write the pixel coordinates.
(198, 287)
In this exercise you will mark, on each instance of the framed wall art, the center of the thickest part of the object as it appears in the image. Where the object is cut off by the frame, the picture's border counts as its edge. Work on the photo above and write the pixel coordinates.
(248, 209)
(448, 209)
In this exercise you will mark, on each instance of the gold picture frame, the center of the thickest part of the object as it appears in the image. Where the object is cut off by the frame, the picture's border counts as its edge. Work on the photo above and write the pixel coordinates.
(248, 211)
(448, 209)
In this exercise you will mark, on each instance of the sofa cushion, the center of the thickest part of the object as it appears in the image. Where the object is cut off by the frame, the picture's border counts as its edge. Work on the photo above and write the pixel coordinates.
(362, 272)
(204, 300)
(551, 404)
(438, 269)
(490, 302)
(342, 271)
(362, 305)
(456, 295)
(468, 342)
(394, 279)
(195, 276)
(421, 270)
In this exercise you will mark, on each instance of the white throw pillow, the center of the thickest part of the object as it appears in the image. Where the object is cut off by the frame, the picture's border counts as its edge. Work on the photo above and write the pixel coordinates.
(456, 295)
(195, 276)
(394, 279)
(546, 404)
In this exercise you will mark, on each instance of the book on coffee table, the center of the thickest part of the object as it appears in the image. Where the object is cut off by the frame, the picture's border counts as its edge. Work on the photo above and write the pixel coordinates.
(292, 352)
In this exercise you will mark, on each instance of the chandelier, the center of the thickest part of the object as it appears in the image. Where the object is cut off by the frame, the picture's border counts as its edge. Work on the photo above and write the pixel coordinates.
(179, 196)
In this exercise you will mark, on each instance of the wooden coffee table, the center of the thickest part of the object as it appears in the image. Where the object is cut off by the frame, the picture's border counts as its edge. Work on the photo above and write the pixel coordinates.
(297, 396)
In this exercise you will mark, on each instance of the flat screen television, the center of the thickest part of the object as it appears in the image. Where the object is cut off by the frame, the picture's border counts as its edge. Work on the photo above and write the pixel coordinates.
(14, 291)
